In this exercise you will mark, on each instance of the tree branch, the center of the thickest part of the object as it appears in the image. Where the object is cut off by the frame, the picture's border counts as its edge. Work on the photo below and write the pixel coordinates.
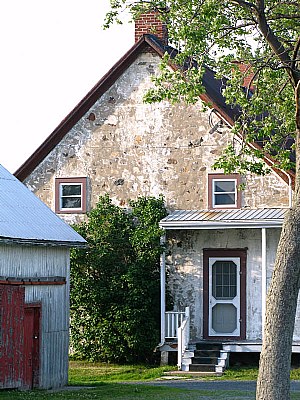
(245, 4)
(276, 45)
(296, 51)
(284, 16)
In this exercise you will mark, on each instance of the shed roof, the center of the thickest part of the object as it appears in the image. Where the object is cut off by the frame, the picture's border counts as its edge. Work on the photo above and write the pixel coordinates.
(224, 219)
(26, 219)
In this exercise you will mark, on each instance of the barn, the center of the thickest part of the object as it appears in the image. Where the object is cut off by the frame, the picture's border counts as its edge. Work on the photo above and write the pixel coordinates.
(34, 289)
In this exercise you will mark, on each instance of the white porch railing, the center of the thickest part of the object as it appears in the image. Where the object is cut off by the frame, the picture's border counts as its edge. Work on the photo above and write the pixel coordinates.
(183, 337)
(173, 320)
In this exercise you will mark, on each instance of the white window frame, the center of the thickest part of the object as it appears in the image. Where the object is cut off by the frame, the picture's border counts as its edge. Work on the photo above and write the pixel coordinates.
(61, 196)
(213, 194)
(70, 181)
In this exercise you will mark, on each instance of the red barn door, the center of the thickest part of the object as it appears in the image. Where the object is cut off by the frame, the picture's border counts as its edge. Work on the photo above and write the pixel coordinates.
(11, 336)
(31, 346)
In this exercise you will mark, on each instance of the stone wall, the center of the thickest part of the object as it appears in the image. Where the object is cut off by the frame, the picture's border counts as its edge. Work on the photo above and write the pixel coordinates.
(128, 148)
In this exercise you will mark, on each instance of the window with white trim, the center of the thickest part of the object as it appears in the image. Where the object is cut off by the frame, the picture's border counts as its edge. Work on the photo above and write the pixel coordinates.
(70, 195)
(223, 191)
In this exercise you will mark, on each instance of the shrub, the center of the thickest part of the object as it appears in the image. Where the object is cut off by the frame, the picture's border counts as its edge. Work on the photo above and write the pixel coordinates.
(115, 282)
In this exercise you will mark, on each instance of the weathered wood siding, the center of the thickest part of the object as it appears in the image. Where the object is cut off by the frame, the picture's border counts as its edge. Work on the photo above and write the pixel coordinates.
(38, 261)
(185, 272)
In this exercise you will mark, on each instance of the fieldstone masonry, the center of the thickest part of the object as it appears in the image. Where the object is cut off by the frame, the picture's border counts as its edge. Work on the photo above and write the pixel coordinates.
(128, 148)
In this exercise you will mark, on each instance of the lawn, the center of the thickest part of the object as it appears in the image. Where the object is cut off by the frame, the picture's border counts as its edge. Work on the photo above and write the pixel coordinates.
(111, 391)
(90, 381)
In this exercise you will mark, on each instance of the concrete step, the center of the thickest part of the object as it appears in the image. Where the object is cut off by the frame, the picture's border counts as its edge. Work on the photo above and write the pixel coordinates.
(188, 374)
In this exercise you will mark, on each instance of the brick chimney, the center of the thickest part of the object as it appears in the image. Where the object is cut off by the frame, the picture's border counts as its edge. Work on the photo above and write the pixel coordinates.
(149, 23)
(248, 74)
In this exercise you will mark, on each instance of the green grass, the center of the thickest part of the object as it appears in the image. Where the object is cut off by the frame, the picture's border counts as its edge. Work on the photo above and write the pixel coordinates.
(111, 391)
(85, 373)
(107, 382)
(250, 373)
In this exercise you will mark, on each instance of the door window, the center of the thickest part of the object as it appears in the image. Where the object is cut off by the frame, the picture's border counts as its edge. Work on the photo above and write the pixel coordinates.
(224, 280)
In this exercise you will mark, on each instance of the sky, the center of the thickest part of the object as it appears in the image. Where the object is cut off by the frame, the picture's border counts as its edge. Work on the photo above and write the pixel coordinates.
(52, 53)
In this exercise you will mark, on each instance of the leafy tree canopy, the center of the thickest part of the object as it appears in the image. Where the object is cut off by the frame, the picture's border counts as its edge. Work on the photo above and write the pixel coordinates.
(263, 35)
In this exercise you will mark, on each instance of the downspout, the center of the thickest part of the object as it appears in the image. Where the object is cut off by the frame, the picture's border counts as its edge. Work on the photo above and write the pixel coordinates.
(290, 188)
(162, 291)
(263, 275)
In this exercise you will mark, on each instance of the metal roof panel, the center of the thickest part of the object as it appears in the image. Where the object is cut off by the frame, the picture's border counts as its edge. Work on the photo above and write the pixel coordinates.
(246, 218)
(24, 217)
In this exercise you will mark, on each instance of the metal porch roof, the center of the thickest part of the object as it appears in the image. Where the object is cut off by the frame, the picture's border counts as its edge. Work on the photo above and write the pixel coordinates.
(26, 219)
(224, 219)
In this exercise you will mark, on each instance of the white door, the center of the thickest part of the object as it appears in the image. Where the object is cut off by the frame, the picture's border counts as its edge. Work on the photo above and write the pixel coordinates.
(224, 296)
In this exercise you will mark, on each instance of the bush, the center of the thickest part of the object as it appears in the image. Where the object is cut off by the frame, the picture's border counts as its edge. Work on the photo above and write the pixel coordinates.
(115, 282)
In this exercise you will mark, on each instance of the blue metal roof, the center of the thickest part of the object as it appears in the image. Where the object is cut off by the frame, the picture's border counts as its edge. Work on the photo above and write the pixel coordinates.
(223, 219)
(25, 218)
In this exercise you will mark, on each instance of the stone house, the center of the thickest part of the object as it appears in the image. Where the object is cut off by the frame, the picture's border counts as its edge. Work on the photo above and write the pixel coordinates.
(221, 240)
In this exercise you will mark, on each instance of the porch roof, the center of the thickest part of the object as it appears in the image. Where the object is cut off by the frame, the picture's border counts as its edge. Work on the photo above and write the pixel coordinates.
(224, 219)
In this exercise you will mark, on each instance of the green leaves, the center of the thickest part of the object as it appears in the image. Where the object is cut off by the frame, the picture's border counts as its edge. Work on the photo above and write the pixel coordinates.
(115, 282)
(223, 35)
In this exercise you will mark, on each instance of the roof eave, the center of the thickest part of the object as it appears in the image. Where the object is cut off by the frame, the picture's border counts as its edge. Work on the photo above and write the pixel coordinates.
(45, 243)
(198, 225)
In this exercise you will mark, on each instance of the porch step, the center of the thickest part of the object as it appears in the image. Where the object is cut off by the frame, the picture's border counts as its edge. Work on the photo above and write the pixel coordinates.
(205, 357)
(205, 360)
(206, 353)
(202, 367)
(209, 346)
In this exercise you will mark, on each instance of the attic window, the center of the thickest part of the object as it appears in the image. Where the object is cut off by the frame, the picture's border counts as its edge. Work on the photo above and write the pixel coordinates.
(70, 195)
(223, 191)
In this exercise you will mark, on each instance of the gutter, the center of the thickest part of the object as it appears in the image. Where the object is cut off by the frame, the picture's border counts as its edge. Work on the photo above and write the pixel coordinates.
(224, 225)
(40, 242)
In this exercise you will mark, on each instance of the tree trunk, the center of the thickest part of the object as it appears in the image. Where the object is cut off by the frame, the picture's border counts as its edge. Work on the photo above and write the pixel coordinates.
(275, 360)
(274, 372)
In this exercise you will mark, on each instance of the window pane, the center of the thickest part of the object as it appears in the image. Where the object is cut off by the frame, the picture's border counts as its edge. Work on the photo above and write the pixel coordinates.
(224, 186)
(224, 318)
(226, 292)
(70, 190)
(71, 202)
(223, 199)
(224, 280)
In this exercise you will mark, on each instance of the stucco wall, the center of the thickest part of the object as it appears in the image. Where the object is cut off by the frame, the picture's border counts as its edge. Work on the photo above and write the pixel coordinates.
(185, 272)
(127, 148)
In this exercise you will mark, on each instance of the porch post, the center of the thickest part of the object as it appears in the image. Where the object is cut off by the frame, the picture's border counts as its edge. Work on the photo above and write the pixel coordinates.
(162, 291)
(263, 275)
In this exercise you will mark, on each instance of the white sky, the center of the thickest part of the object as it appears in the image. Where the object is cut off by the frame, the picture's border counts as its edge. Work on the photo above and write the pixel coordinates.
(52, 53)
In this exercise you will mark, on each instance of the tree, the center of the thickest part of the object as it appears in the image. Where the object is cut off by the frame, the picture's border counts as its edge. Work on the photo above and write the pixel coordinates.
(115, 282)
(264, 35)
